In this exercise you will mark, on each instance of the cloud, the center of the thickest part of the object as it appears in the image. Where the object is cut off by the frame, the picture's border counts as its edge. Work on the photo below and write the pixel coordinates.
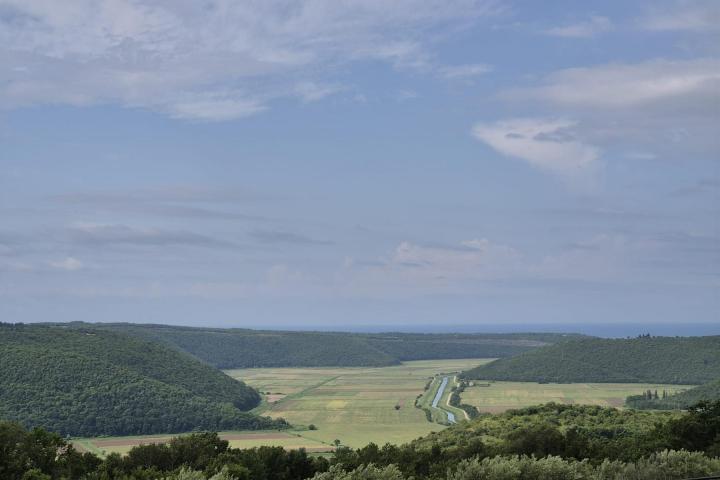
(207, 61)
(412, 266)
(166, 194)
(68, 263)
(704, 186)
(279, 237)
(213, 106)
(595, 25)
(312, 92)
(182, 202)
(97, 234)
(405, 95)
(695, 16)
(548, 144)
(464, 72)
(667, 107)
(695, 83)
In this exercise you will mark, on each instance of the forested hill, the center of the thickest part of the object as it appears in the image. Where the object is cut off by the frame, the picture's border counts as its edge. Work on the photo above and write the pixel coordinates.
(707, 392)
(241, 348)
(679, 360)
(91, 382)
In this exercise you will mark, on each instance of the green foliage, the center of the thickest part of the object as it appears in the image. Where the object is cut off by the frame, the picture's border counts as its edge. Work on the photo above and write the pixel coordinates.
(678, 360)
(707, 392)
(698, 430)
(39, 455)
(665, 465)
(556, 442)
(364, 472)
(456, 401)
(242, 348)
(95, 382)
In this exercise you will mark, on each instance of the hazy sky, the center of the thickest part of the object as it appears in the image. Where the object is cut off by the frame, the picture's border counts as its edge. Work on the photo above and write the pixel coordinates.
(332, 162)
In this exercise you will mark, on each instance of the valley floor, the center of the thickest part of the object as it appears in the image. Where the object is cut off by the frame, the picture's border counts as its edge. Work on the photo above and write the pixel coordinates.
(361, 405)
(496, 397)
(353, 405)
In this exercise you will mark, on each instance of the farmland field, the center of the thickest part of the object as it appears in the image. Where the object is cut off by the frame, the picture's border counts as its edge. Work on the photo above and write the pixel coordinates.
(359, 405)
(353, 405)
(500, 396)
(287, 439)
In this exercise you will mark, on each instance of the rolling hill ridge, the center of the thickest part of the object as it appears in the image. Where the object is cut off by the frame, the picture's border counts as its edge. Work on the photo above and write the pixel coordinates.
(707, 392)
(678, 360)
(93, 382)
(244, 348)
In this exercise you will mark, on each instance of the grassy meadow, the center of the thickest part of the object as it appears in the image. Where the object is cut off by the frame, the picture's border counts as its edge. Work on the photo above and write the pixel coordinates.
(287, 439)
(353, 405)
(497, 397)
(358, 405)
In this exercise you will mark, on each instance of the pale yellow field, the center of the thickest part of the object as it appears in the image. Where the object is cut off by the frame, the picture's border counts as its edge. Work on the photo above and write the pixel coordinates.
(501, 396)
(286, 439)
(353, 405)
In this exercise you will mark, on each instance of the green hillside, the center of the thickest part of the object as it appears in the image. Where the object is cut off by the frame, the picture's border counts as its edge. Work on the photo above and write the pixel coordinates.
(679, 360)
(559, 442)
(707, 392)
(244, 348)
(91, 382)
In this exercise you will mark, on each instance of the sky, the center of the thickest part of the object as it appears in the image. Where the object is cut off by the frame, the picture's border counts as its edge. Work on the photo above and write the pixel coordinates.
(344, 163)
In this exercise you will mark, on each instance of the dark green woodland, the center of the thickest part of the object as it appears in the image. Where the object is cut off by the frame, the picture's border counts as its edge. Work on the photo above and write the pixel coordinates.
(677, 360)
(243, 348)
(93, 382)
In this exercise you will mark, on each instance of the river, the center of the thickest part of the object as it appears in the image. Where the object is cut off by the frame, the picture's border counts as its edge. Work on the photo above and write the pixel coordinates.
(438, 396)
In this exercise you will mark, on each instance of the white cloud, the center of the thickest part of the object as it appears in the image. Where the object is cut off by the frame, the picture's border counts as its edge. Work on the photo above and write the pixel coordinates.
(69, 263)
(100, 234)
(210, 61)
(586, 29)
(477, 257)
(625, 86)
(668, 106)
(549, 144)
(215, 106)
(432, 268)
(463, 72)
(312, 92)
(697, 16)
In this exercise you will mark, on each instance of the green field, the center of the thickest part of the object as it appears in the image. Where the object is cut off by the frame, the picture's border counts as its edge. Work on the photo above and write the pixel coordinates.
(353, 405)
(500, 396)
(358, 405)
(288, 439)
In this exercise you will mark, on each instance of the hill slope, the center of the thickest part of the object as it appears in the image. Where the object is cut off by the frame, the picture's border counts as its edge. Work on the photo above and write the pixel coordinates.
(706, 392)
(244, 348)
(690, 360)
(91, 382)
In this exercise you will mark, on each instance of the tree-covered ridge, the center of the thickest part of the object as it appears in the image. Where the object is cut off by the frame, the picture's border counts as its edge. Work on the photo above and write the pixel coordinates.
(94, 382)
(548, 442)
(662, 401)
(678, 360)
(244, 348)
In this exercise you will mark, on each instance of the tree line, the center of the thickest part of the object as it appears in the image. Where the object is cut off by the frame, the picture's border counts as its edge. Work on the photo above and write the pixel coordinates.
(92, 382)
(550, 441)
(675, 360)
